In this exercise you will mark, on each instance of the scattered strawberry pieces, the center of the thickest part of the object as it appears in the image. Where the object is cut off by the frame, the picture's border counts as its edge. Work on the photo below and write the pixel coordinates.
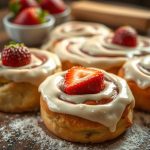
(17, 6)
(15, 55)
(80, 80)
(30, 16)
(125, 36)
(53, 6)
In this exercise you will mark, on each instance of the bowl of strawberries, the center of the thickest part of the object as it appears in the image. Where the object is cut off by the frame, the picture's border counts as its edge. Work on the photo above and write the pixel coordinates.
(28, 23)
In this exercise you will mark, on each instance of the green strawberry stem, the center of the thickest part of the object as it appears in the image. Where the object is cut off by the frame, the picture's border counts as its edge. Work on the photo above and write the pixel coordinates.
(42, 15)
(14, 44)
(14, 7)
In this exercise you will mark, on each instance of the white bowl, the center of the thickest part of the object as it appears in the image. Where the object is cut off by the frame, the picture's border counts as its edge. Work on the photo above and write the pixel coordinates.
(30, 35)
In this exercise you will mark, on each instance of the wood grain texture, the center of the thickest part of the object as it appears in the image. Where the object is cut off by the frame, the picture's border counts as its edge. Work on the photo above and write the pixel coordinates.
(112, 15)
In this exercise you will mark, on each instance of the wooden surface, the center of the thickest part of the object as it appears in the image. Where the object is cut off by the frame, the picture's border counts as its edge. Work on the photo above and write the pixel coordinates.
(113, 15)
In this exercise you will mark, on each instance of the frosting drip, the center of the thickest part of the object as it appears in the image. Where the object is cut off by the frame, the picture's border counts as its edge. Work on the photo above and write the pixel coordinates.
(138, 70)
(42, 64)
(107, 114)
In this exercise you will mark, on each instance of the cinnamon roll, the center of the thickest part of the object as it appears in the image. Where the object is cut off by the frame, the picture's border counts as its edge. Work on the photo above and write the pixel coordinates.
(75, 111)
(98, 52)
(21, 71)
(137, 73)
(75, 29)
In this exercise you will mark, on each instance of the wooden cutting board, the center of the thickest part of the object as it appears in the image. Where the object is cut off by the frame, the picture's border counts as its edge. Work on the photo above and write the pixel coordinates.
(113, 15)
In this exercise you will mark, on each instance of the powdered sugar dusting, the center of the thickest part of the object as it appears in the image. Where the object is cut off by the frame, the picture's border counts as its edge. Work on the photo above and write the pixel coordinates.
(28, 132)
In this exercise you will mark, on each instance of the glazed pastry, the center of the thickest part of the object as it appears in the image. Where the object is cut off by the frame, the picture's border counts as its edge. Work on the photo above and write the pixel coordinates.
(137, 74)
(21, 72)
(75, 29)
(86, 105)
(100, 52)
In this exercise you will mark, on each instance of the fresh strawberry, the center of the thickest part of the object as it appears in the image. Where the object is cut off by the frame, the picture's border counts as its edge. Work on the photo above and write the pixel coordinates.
(30, 16)
(53, 6)
(15, 55)
(18, 5)
(125, 36)
(80, 80)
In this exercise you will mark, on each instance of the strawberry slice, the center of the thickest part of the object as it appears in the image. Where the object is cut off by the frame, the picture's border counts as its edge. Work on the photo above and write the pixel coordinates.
(30, 16)
(125, 36)
(18, 5)
(53, 6)
(80, 80)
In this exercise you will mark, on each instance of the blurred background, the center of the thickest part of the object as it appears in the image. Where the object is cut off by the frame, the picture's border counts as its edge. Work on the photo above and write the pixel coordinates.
(130, 12)
(139, 3)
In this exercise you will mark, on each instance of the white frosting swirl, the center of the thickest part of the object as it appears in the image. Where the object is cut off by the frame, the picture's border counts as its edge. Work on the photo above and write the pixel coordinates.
(97, 52)
(42, 64)
(107, 114)
(75, 29)
(138, 70)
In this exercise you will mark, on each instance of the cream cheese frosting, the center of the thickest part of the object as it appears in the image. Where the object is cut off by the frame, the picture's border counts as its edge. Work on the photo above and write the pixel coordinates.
(98, 51)
(75, 29)
(138, 70)
(42, 64)
(107, 114)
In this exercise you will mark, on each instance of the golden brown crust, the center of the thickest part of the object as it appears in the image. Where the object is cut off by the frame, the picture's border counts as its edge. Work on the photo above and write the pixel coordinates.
(77, 129)
(142, 96)
(18, 97)
(67, 65)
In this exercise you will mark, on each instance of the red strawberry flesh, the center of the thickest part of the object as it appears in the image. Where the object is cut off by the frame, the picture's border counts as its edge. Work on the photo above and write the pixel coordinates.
(29, 16)
(16, 6)
(80, 80)
(125, 36)
(53, 6)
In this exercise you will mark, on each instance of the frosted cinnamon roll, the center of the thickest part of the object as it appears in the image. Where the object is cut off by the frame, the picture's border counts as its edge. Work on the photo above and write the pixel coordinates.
(86, 105)
(98, 52)
(137, 73)
(21, 71)
(75, 29)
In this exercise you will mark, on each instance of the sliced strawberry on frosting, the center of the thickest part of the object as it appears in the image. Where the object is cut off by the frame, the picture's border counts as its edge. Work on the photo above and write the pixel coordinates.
(125, 36)
(80, 80)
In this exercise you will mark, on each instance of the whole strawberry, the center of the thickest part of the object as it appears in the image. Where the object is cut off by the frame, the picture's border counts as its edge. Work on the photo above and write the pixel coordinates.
(30, 16)
(53, 6)
(15, 55)
(125, 36)
(17, 6)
